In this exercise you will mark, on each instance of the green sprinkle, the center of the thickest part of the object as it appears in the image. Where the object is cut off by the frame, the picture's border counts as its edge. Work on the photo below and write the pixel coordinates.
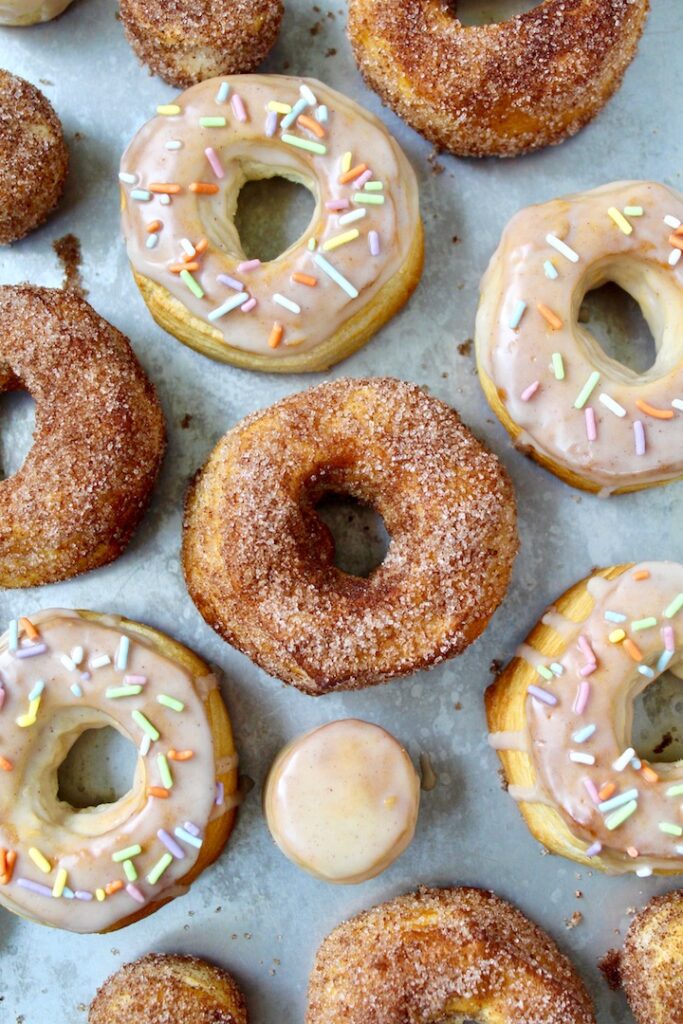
(587, 390)
(114, 692)
(130, 871)
(312, 147)
(545, 672)
(165, 772)
(674, 607)
(196, 289)
(145, 724)
(170, 702)
(159, 868)
(558, 366)
(127, 854)
(620, 816)
(644, 623)
(669, 829)
(633, 211)
(212, 122)
(373, 186)
(377, 200)
(676, 790)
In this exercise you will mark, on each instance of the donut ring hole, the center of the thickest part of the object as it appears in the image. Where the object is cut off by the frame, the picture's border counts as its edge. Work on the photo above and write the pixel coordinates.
(472, 13)
(17, 427)
(661, 305)
(657, 734)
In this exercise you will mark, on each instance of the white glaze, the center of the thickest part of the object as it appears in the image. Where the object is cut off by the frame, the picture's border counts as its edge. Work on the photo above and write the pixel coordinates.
(29, 12)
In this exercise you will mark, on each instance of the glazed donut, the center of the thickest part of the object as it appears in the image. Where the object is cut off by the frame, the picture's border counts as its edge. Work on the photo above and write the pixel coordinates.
(29, 12)
(341, 801)
(495, 90)
(259, 563)
(97, 443)
(561, 715)
(169, 989)
(442, 954)
(188, 41)
(355, 266)
(34, 159)
(64, 673)
(594, 422)
(651, 964)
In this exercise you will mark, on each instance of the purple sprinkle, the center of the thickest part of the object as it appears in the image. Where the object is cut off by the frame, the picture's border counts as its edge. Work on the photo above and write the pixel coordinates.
(216, 166)
(247, 306)
(170, 844)
(271, 123)
(639, 437)
(135, 893)
(82, 894)
(365, 176)
(248, 265)
(373, 242)
(85, 677)
(591, 428)
(542, 695)
(530, 391)
(592, 790)
(27, 883)
(220, 794)
(582, 695)
(231, 282)
(337, 204)
(594, 850)
(192, 829)
(31, 652)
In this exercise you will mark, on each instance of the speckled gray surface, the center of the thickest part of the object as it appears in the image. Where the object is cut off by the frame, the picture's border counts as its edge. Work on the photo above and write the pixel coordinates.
(253, 911)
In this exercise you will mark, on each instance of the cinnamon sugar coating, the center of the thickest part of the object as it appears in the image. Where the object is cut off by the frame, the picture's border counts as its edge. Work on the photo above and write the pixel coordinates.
(444, 954)
(98, 439)
(169, 989)
(651, 964)
(259, 563)
(33, 158)
(188, 41)
(501, 89)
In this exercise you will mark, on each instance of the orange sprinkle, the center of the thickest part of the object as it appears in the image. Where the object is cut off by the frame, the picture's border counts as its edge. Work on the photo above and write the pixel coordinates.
(275, 336)
(154, 225)
(608, 790)
(632, 852)
(180, 755)
(112, 887)
(8, 859)
(354, 173)
(204, 188)
(3, 860)
(648, 773)
(175, 268)
(552, 319)
(633, 650)
(186, 258)
(305, 279)
(5, 765)
(652, 410)
(28, 627)
(676, 240)
(313, 126)
(159, 792)
(202, 245)
(679, 231)
(164, 188)
(642, 574)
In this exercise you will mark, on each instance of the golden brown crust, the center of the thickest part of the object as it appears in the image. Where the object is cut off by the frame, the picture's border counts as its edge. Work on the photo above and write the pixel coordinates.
(438, 954)
(651, 965)
(259, 563)
(34, 159)
(501, 89)
(98, 440)
(169, 989)
(186, 42)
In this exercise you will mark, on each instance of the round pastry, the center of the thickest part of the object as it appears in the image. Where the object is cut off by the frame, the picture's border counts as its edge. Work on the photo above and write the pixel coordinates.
(501, 89)
(64, 673)
(591, 420)
(169, 989)
(188, 41)
(34, 159)
(341, 801)
(29, 12)
(561, 716)
(259, 563)
(355, 265)
(442, 954)
(97, 444)
(651, 964)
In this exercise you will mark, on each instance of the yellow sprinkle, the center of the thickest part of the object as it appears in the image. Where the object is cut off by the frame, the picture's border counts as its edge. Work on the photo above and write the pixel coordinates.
(100, 895)
(620, 220)
(168, 109)
(616, 636)
(23, 721)
(279, 108)
(40, 861)
(346, 162)
(334, 243)
(60, 883)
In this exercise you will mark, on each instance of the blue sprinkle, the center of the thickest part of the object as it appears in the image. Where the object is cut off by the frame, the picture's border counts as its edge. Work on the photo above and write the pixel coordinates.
(76, 690)
(517, 314)
(615, 617)
(37, 689)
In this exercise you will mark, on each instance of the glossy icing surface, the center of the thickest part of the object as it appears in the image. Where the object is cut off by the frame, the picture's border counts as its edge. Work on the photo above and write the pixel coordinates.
(362, 228)
(342, 801)
(570, 401)
(28, 12)
(54, 687)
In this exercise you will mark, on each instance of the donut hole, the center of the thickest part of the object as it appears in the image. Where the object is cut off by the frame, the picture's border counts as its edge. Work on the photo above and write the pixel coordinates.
(98, 769)
(17, 426)
(471, 13)
(359, 534)
(657, 734)
(617, 324)
(272, 214)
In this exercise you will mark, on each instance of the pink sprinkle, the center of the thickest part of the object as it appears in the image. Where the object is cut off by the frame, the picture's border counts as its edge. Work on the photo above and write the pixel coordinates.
(135, 893)
(271, 124)
(592, 790)
(581, 699)
(216, 165)
(373, 242)
(31, 652)
(231, 282)
(588, 669)
(586, 649)
(365, 176)
(133, 680)
(83, 894)
(667, 637)
(639, 437)
(591, 428)
(248, 265)
(238, 108)
(530, 391)
(337, 204)
(191, 828)
(594, 850)
(247, 306)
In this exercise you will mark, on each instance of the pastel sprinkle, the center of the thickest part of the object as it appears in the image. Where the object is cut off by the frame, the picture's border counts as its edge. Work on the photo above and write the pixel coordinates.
(220, 794)
(278, 108)
(591, 428)
(186, 837)
(620, 220)
(616, 636)
(29, 719)
(549, 315)
(354, 215)
(187, 279)
(117, 692)
(165, 772)
(286, 303)
(322, 113)
(517, 314)
(40, 860)
(152, 241)
(337, 204)
(162, 864)
(633, 211)
(100, 661)
(670, 829)
(363, 180)
(373, 243)
(334, 274)
(668, 638)
(168, 109)
(594, 850)
(664, 659)
(618, 817)
(141, 195)
(674, 257)
(542, 695)
(135, 893)
(558, 366)
(371, 199)
(134, 679)
(562, 248)
(212, 122)
(83, 894)
(226, 307)
(639, 437)
(173, 144)
(145, 725)
(619, 800)
(613, 406)
(214, 161)
(127, 854)
(223, 92)
(122, 654)
(590, 788)
(192, 828)
(170, 844)
(545, 672)
(37, 689)
(13, 635)
(289, 119)
(578, 757)
(584, 734)
(632, 650)
(308, 94)
(582, 695)
(346, 161)
(615, 616)
(623, 760)
(248, 306)
(276, 333)
(678, 404)
(672, 222)
(550, 270)
(674, 608)
(31, 652)
(271, 124)
(557, 669)
(530, 391)
(640, 624)
(170, 702)
(100, 895)
(676, 790)
(319, 148)
(373, 186)
(238, 108)
(587, 390)
(41, 890)
(645, 670)
(130, 871)
(247, 265)
(231, 282)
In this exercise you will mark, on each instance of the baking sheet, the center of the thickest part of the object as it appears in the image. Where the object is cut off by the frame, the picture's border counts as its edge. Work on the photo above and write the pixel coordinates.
(254, 912)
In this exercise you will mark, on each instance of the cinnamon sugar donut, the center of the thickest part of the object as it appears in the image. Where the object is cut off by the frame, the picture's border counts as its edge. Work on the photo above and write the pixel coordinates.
(259, 563)
(33, 158)
(187, 41)
(501, 89)
(169, 989)
(651, 964)
(97, 444)
(444, 954)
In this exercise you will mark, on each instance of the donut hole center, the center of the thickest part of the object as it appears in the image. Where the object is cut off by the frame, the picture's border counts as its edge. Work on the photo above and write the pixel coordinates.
(617, 324)
(472, 13)
(272, 215)
(17, 426)
(657, 734)
(358, 531)
(98, 769)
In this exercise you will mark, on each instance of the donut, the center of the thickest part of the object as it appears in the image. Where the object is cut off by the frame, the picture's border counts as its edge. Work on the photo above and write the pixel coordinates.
(341, 801)
(440, 954)
(561, 716)
(259, 563)
(34, 159)
(100, 868)
(589, 419)
(651, 963)
(169, 989)
(355, 265)
(188, 41)
(501, 89)
(29, 12)
(97, 444)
